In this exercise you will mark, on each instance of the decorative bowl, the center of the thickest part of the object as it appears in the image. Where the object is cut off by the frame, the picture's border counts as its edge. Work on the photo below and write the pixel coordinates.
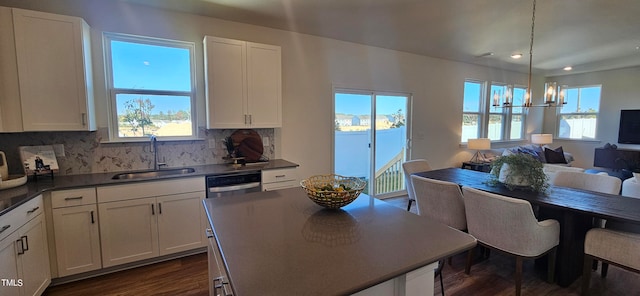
(333, 191)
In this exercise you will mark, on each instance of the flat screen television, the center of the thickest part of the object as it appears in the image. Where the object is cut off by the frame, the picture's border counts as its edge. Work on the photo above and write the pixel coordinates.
(629, 132)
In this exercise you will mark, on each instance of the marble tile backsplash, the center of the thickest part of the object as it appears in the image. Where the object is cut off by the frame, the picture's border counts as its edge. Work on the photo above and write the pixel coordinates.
(84, 152)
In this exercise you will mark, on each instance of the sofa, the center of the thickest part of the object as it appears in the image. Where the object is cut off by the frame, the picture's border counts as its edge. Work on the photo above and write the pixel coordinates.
(554, 160)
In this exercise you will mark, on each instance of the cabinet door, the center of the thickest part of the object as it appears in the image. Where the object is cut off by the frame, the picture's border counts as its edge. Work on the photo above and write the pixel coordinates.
(51, 70)
(225, 70)
(128, 231)
(264, 85)
(9, 266)
(179, 222)
(10, 112)
(77, 239)
(35, 260)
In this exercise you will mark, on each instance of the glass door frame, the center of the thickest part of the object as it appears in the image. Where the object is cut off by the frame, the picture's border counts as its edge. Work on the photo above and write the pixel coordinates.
(373, 139)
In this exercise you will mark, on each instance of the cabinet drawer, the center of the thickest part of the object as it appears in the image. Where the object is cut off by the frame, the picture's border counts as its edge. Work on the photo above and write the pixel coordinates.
(279, 175)
(73, 197)
(149, 189)
(8, 223)
(19, 216)
(280, 185)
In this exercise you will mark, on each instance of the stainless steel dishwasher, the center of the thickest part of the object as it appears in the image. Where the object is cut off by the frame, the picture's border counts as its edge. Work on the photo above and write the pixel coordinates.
(233, 183)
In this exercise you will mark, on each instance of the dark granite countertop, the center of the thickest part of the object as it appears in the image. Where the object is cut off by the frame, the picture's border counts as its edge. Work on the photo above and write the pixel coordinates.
(13, 197)
(281, 243)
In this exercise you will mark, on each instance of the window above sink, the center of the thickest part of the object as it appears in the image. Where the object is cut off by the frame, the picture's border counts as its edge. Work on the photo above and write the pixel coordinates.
(151, 88)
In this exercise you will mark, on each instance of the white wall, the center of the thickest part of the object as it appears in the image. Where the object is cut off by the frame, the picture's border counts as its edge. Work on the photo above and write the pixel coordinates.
(312, 66)
(620, 90)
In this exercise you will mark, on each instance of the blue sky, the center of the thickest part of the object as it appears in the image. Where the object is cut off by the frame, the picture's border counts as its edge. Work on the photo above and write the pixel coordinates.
(143, 66)
(358, 104)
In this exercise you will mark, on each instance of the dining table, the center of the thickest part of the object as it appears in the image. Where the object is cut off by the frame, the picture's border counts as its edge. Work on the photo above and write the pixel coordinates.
(575, 209)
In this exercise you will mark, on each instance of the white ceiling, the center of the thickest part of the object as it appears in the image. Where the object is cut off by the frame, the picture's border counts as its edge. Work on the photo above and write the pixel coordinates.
(589, 35)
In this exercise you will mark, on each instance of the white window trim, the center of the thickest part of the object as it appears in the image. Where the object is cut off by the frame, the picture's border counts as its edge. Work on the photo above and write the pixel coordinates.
(597, 114)
(112, 92)
(483, 108)
(485, 113)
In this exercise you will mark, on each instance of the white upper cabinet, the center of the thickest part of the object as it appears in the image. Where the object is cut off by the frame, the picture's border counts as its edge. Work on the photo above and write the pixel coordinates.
(244, 84)
(53, 63)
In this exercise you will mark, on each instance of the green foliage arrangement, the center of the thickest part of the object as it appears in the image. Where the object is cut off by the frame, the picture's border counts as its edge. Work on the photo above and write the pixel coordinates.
(520, 166)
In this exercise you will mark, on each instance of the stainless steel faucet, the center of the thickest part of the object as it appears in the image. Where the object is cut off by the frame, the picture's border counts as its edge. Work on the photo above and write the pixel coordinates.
(154, 150)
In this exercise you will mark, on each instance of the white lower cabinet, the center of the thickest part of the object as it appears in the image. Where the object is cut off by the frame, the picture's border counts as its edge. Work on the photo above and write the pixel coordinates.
(36, 275)
(24, 253)
(9, 266)
(179, 223)
(145, 220)
(279, 179)
(128, 230)
(76, 231)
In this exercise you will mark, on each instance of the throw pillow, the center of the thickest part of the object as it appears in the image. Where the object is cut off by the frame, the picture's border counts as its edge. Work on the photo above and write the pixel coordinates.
(540, 151)
(530, 152)
(554, 156)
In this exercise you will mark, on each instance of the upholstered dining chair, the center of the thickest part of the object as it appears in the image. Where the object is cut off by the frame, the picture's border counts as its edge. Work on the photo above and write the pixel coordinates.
(409, 167)
(441, 201)
(612, 247)
(592, 182)
(509, 225)
(620, 226)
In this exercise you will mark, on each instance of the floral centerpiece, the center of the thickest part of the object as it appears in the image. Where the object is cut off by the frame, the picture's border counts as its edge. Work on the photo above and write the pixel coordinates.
(518, 170)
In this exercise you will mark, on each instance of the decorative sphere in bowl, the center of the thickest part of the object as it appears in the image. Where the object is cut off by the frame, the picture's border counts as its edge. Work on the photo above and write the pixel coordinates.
(331, 190)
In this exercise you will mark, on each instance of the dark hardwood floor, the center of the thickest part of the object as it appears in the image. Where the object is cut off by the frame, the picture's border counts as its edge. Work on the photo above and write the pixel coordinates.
(185, 276)
(492, 276)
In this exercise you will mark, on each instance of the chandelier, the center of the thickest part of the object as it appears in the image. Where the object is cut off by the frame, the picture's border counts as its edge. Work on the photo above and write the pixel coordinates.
(554, 95)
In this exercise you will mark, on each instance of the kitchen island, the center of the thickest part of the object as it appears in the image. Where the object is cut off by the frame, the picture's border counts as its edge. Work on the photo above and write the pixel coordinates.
(281, 243)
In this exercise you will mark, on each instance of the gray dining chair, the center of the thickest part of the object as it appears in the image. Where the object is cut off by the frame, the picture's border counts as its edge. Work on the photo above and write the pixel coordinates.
(409, 167)
(612, 247)
(591, 182)
(620, 226)
(509, 225)
(440, 201)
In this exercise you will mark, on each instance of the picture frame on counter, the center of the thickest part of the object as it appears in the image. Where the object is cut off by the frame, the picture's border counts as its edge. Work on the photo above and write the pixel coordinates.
(39, 160)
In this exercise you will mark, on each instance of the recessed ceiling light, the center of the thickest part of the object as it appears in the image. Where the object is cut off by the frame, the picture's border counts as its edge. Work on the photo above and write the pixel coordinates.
(568, 68)
(516, 55)
(486, 54)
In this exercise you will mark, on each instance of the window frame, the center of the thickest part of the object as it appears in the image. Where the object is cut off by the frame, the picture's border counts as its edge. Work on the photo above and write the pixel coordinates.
(559, 113)
(113, 92)
(487, 110)
(481, 108)
(523, 125)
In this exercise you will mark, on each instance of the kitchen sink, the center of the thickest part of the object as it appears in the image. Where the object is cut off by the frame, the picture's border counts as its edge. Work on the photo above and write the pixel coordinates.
(152, 174)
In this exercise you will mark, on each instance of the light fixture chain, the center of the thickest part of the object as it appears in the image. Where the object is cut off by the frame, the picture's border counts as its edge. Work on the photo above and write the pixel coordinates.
(533, 23)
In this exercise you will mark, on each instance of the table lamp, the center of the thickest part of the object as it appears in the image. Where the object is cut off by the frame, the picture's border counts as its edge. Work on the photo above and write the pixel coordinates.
(479, 144)
(541, 139)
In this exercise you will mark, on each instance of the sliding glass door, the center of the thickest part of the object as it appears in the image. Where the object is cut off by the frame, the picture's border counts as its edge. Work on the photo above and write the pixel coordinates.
(370, 138)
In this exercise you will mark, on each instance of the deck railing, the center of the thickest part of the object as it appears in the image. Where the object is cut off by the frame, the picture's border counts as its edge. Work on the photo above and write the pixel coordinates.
(390, 177)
